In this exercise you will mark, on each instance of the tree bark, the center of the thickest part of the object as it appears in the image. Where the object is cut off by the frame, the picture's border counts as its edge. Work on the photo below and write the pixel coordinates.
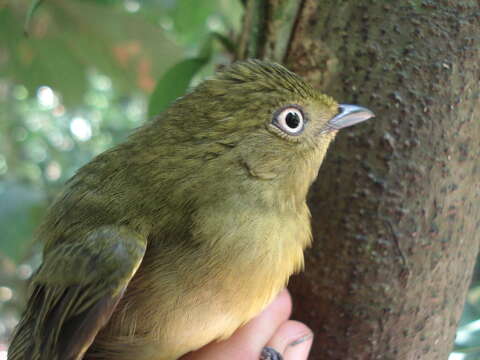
(395, 209)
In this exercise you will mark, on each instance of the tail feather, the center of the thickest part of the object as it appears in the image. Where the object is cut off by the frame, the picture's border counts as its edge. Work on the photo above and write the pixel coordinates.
(22, 346)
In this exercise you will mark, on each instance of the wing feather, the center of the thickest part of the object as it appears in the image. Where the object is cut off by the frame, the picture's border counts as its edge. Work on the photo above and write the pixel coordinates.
(75, 292)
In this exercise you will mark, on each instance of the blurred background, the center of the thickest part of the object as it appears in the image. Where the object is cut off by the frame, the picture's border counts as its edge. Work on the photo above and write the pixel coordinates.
(75, 78)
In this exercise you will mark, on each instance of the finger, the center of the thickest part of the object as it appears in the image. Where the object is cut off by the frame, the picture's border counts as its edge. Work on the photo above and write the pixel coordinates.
(293, 340)
(247, 342)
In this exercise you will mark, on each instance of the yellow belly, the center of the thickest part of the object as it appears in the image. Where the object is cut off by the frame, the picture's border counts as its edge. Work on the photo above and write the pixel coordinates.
(164, 323)
(181, 300)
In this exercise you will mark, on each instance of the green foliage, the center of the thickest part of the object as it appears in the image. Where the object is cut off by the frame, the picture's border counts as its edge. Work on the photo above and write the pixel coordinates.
(173, 84)
(22, 207)
(67, 38)
(33, 7)
(189, 23)
(176, 80)
(77, 85)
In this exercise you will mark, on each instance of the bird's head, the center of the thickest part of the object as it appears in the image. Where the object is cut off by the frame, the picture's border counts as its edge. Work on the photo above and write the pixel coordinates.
(263, 117)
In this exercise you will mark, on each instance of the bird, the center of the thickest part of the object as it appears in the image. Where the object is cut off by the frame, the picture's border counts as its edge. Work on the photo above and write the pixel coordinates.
(189, 228)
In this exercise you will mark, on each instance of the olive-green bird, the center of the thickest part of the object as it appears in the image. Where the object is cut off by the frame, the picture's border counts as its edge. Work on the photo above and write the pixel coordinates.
(188, 229)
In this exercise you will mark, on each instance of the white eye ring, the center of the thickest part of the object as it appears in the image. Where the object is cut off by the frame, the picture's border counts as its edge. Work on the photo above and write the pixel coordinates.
(289, 120)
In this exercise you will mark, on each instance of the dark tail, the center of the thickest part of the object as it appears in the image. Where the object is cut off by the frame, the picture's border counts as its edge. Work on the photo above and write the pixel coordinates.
(22, 344)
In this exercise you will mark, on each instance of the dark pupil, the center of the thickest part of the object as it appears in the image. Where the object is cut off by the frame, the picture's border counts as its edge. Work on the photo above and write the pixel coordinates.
(292, 120)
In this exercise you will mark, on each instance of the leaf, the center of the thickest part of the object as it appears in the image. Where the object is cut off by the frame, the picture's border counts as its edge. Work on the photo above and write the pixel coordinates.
(174, 83)
(206, 49)
(33, 7)
(227, 43)
(69, 38)
(192, 25)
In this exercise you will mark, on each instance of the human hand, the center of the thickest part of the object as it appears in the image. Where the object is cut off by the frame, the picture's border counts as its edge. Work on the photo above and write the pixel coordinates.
(292, 339)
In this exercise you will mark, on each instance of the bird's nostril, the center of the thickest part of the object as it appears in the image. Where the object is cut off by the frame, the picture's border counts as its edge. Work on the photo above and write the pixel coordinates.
(339, 110)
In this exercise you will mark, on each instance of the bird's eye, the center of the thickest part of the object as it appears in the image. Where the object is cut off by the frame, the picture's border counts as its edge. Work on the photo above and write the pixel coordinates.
(289, 120)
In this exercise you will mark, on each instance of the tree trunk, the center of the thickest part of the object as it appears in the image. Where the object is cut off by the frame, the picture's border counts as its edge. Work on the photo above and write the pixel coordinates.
(396, 206)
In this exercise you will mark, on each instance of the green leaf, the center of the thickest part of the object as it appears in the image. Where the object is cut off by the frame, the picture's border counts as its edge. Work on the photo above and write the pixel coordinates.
(69, 38)
(206, 49)
(227, 43)
(191, 25)
(174, 83)
(33, 7)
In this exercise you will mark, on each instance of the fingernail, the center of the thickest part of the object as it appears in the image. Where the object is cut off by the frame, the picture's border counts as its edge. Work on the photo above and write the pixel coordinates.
(301, 339)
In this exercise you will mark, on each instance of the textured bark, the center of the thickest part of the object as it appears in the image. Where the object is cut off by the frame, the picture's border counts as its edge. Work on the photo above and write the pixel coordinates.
(396, 210)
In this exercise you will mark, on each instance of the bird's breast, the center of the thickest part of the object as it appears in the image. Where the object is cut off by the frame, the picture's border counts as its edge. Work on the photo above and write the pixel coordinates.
(182, 299)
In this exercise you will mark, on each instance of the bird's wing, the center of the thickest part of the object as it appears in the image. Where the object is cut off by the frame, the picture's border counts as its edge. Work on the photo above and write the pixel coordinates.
(75, 292)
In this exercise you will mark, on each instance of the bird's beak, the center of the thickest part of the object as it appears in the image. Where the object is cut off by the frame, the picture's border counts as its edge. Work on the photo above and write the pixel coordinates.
(349, 115)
